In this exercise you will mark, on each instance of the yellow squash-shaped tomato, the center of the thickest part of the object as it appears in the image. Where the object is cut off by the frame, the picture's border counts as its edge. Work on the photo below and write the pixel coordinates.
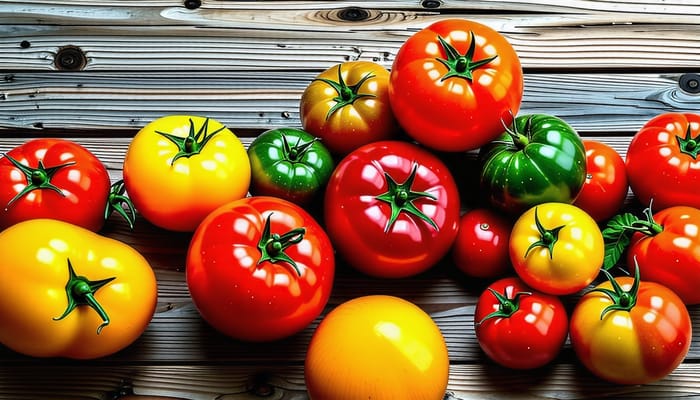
(69, 292)
(556, 248)
(178, 168)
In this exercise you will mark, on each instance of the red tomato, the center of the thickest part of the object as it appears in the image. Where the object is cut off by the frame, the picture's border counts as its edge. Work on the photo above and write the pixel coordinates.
(455, 84)
(518, 327)
(391, 209)
(481, 247)
(605, 189)
(53, 178)
(662, 161)
(260, 268)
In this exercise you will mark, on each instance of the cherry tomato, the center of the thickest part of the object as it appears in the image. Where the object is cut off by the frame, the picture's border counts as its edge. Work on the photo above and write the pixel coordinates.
(481, 247)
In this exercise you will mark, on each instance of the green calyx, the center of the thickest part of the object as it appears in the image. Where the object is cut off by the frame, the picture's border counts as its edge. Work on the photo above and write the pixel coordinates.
(400, 197)
(117, 200)
(519, 140)
(37, 178)
(296, 152)
(81, 291)
(272, 245)
(194, 142)
(461, 65)
(347, 94)
(689, 145)
(548, 237)
(618, 232)
(506, 306)
(623, 300)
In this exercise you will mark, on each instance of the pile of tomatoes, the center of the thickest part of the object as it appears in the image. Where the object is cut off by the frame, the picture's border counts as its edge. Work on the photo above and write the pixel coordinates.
(363, 181)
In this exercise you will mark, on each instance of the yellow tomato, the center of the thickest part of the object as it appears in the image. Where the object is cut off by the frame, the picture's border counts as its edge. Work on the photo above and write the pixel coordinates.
(377, 347)
(178, 168)
(69, 292)
(556, 248)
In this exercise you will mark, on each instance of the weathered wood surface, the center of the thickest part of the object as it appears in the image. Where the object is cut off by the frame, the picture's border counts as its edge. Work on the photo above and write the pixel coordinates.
(604, 66)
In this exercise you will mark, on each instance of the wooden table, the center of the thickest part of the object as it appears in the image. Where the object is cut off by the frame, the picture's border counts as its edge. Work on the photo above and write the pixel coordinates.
(96, 71)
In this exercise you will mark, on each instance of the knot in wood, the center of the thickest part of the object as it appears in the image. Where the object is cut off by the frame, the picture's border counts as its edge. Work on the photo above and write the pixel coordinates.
(193, 4)
(431, 3)
(70, 58)
(353, 14)
(690, 83)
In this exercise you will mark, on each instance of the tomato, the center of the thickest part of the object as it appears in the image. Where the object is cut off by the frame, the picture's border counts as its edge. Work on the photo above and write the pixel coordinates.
(665, 246)
(481, 246)
(454, 84)
(518, 327)
(347, 106)
(260, 268)
(290, 164)
(391, 209)
(629, 331)
(179, 168)
(556, 248)
(58, 179)
(540, 159)
(69, 292)
(662, 161)
(605, 189)
(377, 347)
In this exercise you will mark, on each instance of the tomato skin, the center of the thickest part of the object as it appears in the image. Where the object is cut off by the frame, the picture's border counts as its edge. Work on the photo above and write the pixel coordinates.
(481, 247)
(632, 347)
(246, 296)
(662, 171)
(379, 347)
(528, 337)
(359, 221)
(573, 261)
(605, 188)
(455, 113)
(362, 118)
(82, 179)
(35, 270)
(167, 185)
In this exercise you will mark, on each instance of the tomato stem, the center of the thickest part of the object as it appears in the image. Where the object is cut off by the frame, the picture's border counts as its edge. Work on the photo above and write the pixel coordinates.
(461, 65)
(37, 178)
(193, 143)
(400, 197)
(296, 152)
(622, 300)
(347, 94)
(688, 144)
(548, 237)
(272, 245)
(506, 306)
(117, 200)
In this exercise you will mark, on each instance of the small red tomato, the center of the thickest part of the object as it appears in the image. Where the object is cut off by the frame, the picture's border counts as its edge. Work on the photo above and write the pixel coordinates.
(481, 247)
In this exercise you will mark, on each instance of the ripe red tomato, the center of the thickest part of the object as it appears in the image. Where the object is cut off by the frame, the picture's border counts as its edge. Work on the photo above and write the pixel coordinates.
(391, 209)
(519, 327)
(605, 188)
(481, 247)
(662, 161)
(455, 84)
(260, 268)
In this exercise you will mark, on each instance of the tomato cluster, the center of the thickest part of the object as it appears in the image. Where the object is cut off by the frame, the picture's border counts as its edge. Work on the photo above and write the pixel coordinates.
(362, 181)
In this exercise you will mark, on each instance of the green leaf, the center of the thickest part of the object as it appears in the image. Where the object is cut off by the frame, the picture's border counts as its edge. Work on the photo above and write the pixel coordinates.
(617, 236)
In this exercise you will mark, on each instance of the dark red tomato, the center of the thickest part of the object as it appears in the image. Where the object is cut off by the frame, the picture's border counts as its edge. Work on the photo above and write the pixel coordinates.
(53, 178)
(481, 247)
(392, 209)
(260, 268)
(519, 327)
(455, 84)
(605, 189)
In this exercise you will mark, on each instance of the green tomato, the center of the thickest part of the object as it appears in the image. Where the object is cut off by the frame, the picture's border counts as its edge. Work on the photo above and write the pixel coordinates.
(289, 163)
(539, 159)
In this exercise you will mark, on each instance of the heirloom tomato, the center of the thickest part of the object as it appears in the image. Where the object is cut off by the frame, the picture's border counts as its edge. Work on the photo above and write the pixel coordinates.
(179, 168)
(69, 292)
(662, 161)
(289, 163)
(454, 84)
(377, 347)
(58, 179)
(481, 247)
(347, 106)
(556, 248)
(605, 189)
(260, 268)
(519, 327)
(629, 331)
(665, 246)
(540, 159)
(391, 209)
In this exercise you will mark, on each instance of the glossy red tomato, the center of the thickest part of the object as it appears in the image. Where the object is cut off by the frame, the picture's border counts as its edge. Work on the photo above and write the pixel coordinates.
(481, 247)
(455, 84)
(519, 327)
(662, 161)
(391, 209)
(260, 268)
(605, 188)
